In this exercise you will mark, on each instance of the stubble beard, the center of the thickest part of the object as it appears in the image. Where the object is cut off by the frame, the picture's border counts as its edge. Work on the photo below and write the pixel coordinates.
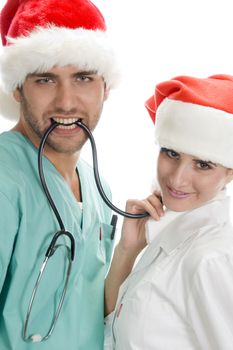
(36, 128)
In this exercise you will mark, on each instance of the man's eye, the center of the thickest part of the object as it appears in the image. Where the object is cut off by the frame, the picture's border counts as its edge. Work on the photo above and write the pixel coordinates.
(44, 80)
(84, 78)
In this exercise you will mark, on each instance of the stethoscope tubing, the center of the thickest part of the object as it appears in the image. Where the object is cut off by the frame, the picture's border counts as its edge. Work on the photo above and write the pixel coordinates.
(98, 181)
(42, 177)
(95, 169)
(52, 247)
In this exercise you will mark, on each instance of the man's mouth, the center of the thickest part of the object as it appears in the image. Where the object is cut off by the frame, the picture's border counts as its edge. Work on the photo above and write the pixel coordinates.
(66, 123)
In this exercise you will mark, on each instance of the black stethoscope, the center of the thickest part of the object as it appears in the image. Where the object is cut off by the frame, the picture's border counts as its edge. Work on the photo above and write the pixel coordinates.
(53, 245)
(95, 169)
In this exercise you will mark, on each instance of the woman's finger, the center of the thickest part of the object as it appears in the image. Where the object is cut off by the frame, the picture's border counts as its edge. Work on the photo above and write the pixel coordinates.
(153, 208)
(156, 202)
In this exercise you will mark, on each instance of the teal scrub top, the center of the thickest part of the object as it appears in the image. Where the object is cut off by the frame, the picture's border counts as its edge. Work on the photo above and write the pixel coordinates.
(27, 225)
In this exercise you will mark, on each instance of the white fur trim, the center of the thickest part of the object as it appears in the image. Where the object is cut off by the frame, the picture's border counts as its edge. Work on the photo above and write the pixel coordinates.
(46, 47)
(201, 131)
(9, 108)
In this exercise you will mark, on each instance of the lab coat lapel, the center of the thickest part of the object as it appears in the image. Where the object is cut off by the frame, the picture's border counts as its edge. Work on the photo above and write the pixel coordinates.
(176, 228)
(154, 234)
(149, 256)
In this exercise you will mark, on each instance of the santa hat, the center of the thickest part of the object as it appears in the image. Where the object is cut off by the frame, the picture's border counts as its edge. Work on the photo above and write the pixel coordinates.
(39, 34)
(195, 116)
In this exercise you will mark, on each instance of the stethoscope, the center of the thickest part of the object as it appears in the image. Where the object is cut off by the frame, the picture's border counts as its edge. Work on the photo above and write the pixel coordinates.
(95, 169)
(62, 231)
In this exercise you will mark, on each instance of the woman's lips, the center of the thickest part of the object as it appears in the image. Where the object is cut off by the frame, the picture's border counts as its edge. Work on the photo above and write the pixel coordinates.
(177, 194)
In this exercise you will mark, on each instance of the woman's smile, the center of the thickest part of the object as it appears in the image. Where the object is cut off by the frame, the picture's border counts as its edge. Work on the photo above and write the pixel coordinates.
(187, 182)
(178, 194)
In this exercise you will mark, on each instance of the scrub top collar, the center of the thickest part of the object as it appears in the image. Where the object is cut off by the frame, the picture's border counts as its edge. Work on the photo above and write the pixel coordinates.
(88, 212)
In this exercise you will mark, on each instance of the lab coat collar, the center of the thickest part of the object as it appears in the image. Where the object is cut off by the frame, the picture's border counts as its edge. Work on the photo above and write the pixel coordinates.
(175, 228)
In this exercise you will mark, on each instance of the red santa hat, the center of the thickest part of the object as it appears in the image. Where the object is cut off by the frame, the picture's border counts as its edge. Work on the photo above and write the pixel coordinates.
(39, 34)
(195, 116)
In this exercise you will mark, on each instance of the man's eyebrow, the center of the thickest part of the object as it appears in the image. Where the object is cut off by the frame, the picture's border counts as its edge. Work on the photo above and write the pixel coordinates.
(86, 72)
(53, 75)
(41, 75)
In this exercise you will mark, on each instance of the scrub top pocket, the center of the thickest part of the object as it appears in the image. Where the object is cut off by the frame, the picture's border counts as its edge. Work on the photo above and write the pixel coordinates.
(98, 249)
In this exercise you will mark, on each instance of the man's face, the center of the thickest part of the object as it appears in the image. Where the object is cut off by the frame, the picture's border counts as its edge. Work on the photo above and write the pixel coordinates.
(64, 94)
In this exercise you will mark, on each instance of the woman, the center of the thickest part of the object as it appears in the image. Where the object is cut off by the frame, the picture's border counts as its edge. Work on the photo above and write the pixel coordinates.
(180, 294)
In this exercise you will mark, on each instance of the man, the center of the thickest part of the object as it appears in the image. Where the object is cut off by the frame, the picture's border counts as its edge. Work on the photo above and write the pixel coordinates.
(57, 65)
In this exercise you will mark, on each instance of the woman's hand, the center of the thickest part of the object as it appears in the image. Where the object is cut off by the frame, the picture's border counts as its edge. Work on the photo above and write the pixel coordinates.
(133, 230)
(131, 243)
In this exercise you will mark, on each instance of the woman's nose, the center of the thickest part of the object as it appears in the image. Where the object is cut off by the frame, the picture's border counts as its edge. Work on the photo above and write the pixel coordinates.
(181, 175)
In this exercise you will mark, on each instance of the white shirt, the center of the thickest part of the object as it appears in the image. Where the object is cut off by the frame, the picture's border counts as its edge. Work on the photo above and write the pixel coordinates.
(180, 294)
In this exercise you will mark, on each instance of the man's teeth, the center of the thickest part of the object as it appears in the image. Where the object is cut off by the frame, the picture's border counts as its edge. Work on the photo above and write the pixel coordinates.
(66, 121)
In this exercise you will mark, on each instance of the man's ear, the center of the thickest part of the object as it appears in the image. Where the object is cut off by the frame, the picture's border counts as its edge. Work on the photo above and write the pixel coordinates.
(230, 175)
(17, 95)
(106, 94)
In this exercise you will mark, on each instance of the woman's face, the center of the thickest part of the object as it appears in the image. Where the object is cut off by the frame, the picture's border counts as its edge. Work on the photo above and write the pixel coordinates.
(187, 182)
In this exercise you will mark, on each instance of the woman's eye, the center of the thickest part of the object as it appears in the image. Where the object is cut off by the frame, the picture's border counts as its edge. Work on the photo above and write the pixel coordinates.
(203, 165)
(170, 153)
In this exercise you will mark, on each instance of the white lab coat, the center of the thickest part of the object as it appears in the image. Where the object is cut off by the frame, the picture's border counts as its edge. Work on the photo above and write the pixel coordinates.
(180, 294)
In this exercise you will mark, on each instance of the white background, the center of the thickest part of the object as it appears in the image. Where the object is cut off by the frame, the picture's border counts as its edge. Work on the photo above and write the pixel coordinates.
(155, 40)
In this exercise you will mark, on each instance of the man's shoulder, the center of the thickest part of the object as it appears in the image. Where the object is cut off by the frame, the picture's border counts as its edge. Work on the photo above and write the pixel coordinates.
(10, 142)
(6, 150)
(13, 149)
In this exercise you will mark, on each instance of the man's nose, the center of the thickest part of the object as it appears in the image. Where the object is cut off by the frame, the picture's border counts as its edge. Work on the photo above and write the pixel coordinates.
(65, 97)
